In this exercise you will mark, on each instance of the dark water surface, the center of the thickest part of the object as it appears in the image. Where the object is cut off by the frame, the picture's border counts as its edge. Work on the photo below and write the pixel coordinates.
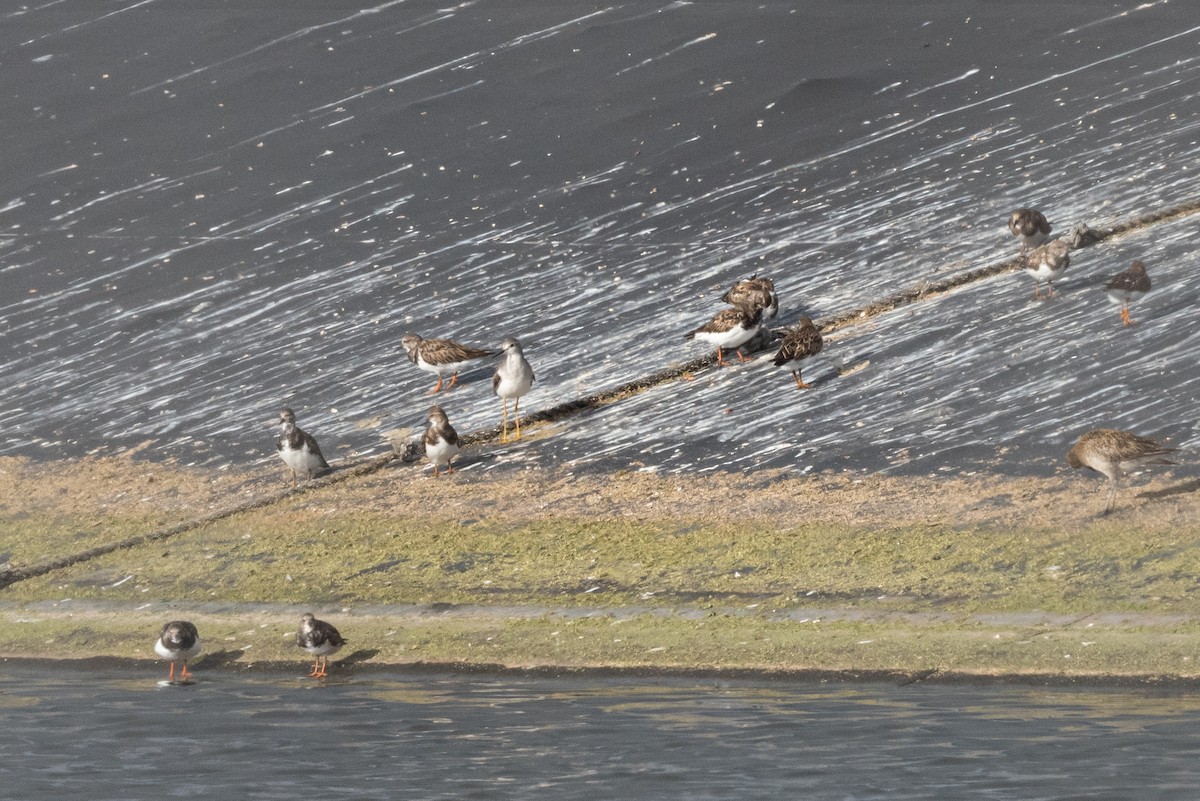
(70, 733)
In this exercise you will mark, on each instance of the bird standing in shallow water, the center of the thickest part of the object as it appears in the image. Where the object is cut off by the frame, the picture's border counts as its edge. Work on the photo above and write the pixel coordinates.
(441, 356)
(297, 448)
(754, 293)
(1031, 225)
(1047, 263)
(800, 342)
(1127, 286)
(441, 440)
(730, 328)
(177, 642)
(512, 379)
(1114, 453)
(321, 640)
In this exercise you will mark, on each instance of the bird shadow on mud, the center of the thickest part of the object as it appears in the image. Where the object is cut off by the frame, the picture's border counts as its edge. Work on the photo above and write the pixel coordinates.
(226, 657)
(1182, 488)
(358, 657)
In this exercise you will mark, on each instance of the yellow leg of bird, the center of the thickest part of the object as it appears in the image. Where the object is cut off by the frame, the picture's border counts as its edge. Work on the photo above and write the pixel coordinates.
(435, 472)
(504, 421)
(517, 416)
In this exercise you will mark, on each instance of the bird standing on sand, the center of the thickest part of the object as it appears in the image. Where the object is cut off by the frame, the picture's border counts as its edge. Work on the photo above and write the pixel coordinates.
(512, 379)
(441, 356)
(321, 640)
(1114, 453)
(798, 344)
(297, 448)
(730, 328)
(1031, 225)
(1047, 263)
(1127, 286)
(177, 643)
(441, 440)
(754, 293)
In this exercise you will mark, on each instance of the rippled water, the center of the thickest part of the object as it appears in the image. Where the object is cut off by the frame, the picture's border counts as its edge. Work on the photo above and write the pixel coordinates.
(208, 212)
(95, 734)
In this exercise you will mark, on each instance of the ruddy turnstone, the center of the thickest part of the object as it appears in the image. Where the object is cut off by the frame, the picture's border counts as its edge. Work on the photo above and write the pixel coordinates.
(512, 379)
(1031, 225)
(441, 440)
(1114, 453)
(297, 448)
(177, 643)
(754, 292)
(441, 356)
(798, 344)
(1047, 263)
(321, 640)
(730, 328)
(1128, 285)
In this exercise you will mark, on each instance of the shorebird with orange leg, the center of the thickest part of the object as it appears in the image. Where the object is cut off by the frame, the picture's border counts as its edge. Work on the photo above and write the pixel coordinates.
(1128, 286)
(177, 642)
(512, 379)
(798, 344)
(729, 329)
(441, 356)
(321, 640)
(1114, 453)
(298, 449)
(441, 440)
(1047, 263)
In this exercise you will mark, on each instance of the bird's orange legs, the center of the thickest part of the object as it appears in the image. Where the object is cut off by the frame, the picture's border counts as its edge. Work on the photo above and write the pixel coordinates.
(800, 381)
(319, 668)
(1125, 318)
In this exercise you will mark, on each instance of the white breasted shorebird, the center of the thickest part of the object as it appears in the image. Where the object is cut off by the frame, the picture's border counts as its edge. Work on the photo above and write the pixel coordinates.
(512, 379)
(730, 328)
(1128, 286)
(754, 292)
(441, 440)
(297, 448)
(441, 356)
(798, 344)
(321, 640)
(1114, 453)
(177, 642)
(1031, 225)
(1047, 263)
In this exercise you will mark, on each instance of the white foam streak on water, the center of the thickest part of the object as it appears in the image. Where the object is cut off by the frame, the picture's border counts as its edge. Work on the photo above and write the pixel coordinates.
(613, 235)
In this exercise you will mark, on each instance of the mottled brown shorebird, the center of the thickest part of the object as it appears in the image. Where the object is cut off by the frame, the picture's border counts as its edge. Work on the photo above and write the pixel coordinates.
(441, 356)
(729, 329)
(441, 440)
(1047, 263)
(1114, 453)
(1031, 225)
(1128, 286)
(754, 293)
(798, 344)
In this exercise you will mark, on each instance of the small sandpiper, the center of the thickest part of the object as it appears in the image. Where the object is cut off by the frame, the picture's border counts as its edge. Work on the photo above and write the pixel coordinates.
(441, 356)
(321, 640)
(1128, 286)
(512, 379)
(1114, 453)
(730, 328)
(1031, 225)
(754, 292)
(298, 449)
(1047, 263)
(177, 643)
(441, 440)
(798, 344)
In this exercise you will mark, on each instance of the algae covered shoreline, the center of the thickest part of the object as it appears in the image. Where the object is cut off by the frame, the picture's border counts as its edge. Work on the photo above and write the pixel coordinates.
(507, 568)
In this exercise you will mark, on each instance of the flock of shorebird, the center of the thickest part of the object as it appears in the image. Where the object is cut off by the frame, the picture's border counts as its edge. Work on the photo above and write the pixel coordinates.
(179, 641)
(751, 304)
